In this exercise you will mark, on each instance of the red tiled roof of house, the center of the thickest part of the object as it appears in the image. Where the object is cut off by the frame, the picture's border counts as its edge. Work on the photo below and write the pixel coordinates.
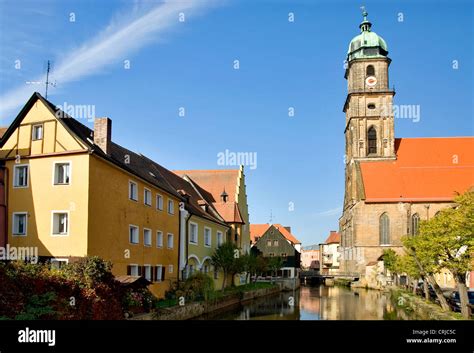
(334, 237)
(257, 230)
(426, 169)
(212, 184)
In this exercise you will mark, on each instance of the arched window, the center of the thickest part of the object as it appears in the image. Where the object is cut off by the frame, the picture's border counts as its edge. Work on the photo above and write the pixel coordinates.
(372, 140)
(370, 71)
(415, 224)
(384, 229)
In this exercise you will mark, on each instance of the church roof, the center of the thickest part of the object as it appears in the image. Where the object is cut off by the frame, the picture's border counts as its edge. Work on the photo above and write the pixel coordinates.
(426, 170)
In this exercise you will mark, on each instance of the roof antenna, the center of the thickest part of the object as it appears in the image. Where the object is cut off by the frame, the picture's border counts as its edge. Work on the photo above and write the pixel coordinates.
(48, 69)
(271, 217)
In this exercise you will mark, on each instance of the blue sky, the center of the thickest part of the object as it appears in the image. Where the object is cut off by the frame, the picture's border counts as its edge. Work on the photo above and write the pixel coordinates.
(282, 64)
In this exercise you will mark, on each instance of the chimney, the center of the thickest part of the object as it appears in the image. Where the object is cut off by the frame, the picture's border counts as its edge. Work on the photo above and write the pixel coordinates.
(103, 133)
(288, 229)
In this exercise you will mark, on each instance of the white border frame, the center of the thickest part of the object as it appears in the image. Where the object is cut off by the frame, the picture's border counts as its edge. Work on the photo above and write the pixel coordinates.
(33, 129)
(130, 181)
(138, 228)
(151, 272)
(27, 176)
(197, 234)
(158, 204)
(151, 238)
(168, 206)
(210, 237)
(167, 242)
(217, 238)
(13, 224)
(145, 189)
(162, 240)
(161, 272)
(53, 212)
(131, 265)
(54, 173)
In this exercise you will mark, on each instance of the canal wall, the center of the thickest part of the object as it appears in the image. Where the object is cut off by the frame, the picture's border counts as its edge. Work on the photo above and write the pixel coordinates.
(417, 308)
(193, 310)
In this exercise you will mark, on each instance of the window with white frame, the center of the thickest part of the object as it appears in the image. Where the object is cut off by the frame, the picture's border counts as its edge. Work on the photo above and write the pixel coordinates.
(20, 176)
(220, 238)
(57, 264)
(207, 236)
(60, 223)
(62, 174)
(147, 197)
(133, 270)
(148, 272)
(159, 273)
(193, 233)
(170, 206)
(37, 132)
(147, 237)
(275, 243)
(170, 241)
(132, 191)
(159, 202)
(133, 234)
(269, 243)
(159, 239)
(170, 268)
(19, 223)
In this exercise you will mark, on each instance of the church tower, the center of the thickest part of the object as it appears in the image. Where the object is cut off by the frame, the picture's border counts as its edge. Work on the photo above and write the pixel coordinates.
(369, 127)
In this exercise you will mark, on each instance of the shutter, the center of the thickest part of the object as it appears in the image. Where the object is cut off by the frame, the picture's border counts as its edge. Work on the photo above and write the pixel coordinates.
(155, 273)
(129, 270)
(163, 271)
(139, 270)
(143, 271)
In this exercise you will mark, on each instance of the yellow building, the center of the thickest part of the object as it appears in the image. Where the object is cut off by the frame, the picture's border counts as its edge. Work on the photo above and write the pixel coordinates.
(225, 194)
(72, 192)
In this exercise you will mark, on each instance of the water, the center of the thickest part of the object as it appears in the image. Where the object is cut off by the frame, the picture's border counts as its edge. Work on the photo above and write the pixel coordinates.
(318, 303)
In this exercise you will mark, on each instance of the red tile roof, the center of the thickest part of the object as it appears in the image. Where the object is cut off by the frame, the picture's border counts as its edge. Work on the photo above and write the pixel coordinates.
(212, 184)
(333, 238)
(257, 230)
(426, 169)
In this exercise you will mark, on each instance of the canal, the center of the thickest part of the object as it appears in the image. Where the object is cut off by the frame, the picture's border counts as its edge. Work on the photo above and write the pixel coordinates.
(317, 303)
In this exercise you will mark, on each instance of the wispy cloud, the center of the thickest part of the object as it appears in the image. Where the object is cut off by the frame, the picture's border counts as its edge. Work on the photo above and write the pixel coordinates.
(123, 36)
(331, 212)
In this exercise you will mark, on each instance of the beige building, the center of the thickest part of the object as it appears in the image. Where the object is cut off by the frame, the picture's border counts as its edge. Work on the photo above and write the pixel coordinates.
(310, 257)
(390, 183)
(329, 254)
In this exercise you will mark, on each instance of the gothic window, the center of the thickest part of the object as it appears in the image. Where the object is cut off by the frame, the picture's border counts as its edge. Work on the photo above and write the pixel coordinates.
(372, 140)
(415, 223)
(370, 71)
(384, 229)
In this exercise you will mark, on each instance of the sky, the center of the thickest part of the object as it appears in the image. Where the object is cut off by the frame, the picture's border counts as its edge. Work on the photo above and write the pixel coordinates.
(186, 81)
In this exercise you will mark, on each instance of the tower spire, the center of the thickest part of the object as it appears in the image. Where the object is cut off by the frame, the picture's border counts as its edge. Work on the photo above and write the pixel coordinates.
(365, 25)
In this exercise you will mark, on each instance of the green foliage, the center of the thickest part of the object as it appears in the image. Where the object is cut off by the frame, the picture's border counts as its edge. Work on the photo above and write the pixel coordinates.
(226, 258)
(390, 260)
(275, 263)
(39, 307)
(447, 240)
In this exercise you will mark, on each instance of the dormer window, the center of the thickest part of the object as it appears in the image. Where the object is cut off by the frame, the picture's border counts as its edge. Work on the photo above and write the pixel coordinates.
(224, 196)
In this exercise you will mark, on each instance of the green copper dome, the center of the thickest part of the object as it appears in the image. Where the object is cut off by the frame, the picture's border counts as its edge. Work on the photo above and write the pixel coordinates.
(367, 44)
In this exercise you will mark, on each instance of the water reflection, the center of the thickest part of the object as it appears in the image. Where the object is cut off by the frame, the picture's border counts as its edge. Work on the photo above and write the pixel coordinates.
(318, 303)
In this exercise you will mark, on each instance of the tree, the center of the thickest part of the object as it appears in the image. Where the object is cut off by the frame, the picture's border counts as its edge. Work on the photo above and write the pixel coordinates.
(274, 264)
(226, 258)
(447, 241)
(249, 265)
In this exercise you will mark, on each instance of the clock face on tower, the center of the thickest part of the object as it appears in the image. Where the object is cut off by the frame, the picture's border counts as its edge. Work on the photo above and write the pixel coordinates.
(371, 81)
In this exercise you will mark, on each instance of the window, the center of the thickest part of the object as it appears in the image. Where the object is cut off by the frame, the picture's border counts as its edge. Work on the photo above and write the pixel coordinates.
(271, 254)
(57, 264)
(147, 197)
(190, 270)
(60, 223)
(206, 269)
(148, 273)
(269, 243)
(37, 132)
(170, 268)
(370, 71)
(20, 177)
(371, 106)
(193, 233)
(220, 238)
(207, 237)
(133, 235)
(132, 191)
(170, 206)
(284, 255)
(159, 202)
(147, 237)
(133, 270)
(384, 229)
(159, 239)
(372, 140)
(275, 243)
(62, 173)
(170, 241)
(159, 273)
(19, 223)
(415, 224)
